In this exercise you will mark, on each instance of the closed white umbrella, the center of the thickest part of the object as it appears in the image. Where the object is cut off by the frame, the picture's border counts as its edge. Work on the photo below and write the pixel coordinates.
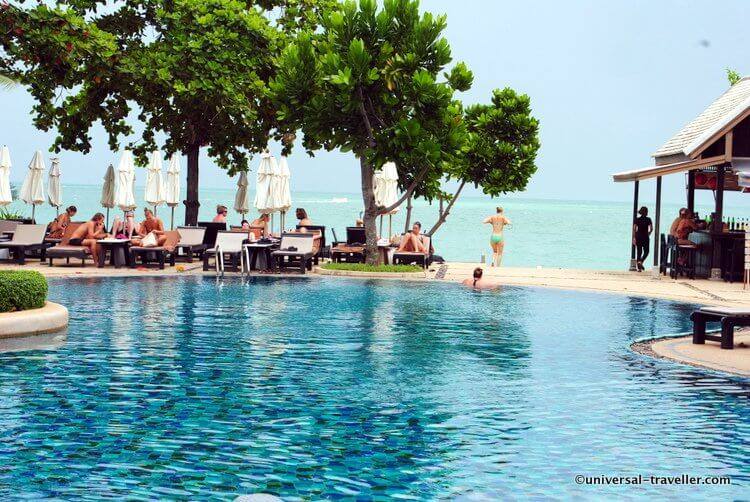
(263, 184)
(6, 196)
(108, 191)
(385, 183)
(125, 193)
(54, 190)
(241, 200)
(172, 190)
(32, 190)
(154, 182)
(284, 190)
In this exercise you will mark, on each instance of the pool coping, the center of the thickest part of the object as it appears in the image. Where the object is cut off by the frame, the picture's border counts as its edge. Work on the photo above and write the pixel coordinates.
(51, 318)
(664, 348)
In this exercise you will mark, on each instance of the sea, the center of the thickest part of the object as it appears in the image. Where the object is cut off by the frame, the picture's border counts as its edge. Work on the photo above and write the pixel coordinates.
(544, 233)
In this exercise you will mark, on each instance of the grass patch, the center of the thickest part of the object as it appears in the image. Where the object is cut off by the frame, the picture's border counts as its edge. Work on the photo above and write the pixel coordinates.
(22, 290)
(363, 267)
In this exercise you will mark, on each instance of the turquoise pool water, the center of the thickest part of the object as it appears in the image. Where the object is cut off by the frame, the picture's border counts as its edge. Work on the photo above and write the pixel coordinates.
(191, 388)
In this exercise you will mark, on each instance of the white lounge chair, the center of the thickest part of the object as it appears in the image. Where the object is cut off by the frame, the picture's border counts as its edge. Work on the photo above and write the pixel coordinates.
(191, 242)
(296, 250)
(228, 244)
(26, 238)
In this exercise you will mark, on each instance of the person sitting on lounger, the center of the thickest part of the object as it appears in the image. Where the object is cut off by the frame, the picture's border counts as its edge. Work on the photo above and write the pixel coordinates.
(88, 233)
(477, 282)
(57, 228)
(302, 217)
(262, 221)
(413, 242)
(125, 229)
(221, 214)
(151, 225)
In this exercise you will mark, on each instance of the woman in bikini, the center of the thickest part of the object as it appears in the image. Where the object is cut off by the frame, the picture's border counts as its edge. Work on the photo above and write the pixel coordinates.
(57, 228)
(497, 242)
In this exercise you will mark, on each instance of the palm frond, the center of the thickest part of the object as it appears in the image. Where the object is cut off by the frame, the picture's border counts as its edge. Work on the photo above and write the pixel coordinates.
(6, 82)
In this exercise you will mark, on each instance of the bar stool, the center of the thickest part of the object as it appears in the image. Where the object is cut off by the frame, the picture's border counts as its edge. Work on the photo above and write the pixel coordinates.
(687, 268)
(734, 257)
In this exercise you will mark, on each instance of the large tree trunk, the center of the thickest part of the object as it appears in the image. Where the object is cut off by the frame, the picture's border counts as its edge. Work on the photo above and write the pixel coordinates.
(407, 224)
(371, 212)
(192, 202)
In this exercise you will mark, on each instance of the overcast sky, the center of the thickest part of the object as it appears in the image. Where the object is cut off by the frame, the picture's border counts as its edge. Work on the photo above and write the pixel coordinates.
(609, 81)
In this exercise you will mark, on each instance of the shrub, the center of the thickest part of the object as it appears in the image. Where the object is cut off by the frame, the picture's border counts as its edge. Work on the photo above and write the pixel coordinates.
(363, 267)
(22, 290)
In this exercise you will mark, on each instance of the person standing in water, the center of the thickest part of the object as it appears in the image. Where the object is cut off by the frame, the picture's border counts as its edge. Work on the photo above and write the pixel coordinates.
(497, 242)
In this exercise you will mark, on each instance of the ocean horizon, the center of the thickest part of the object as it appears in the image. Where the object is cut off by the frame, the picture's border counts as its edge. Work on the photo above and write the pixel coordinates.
(582, 234)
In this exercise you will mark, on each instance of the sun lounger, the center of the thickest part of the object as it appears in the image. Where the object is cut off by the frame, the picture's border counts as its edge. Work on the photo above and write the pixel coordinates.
(353, 251)
(228, 245)
(406, 257)
(168, 250)
(65, 250)
(319, 246)
(296, 250)
(26, 238)
(191, 242)
(728, 317)
(8, 226)
(212, 228)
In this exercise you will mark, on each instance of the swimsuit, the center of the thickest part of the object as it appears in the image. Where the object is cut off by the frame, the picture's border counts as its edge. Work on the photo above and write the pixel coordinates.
(496, 238)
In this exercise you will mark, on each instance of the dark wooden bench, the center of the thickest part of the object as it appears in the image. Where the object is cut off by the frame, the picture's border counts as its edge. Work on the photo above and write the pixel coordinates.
(729, 319)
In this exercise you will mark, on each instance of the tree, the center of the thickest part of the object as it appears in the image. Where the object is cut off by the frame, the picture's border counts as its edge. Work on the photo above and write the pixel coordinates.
(370, 84)
(195, 70)
(500, 149)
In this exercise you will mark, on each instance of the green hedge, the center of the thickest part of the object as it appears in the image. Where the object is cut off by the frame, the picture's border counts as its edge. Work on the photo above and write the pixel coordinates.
(22, 290)
(363, 267)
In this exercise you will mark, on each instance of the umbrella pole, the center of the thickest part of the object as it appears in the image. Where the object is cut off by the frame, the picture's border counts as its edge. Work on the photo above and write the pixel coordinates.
(381, 226)
(33, 210)
(171, 222)
(107, 217)
(390, 224)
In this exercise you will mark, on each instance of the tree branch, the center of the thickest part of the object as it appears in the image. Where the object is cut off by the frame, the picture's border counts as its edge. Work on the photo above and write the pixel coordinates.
(372, 110)
(444, 214)
(365, 118)
(408, 192)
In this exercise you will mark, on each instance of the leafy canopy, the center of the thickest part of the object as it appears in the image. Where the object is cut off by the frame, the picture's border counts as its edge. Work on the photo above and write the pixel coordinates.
(371, 84)
(197, 70)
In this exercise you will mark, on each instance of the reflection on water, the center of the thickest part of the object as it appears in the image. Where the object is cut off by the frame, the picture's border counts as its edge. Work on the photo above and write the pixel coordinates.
(314, 388)
(47, 341)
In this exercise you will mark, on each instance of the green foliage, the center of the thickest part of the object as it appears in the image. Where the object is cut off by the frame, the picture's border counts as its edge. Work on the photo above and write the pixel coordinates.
(733, 76)
(364, 267)
(22, 290)
(369, 84)
(7, 214)
(196, 70)
(500, 151)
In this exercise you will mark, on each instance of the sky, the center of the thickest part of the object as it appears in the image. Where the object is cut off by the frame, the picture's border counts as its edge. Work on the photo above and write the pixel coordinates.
(609, 81)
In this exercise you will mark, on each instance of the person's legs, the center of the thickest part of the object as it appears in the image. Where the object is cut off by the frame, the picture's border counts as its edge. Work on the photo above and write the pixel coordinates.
(93, 247)
(644, 249)
(500, 249)
(494, 247)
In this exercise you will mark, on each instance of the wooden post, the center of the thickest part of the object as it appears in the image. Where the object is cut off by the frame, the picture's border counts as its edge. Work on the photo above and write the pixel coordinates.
(718, 225)
(633, 261)
(691, 191)
(657, 220)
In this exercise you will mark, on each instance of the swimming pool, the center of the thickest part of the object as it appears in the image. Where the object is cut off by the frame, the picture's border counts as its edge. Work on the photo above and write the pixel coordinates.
(324, 388)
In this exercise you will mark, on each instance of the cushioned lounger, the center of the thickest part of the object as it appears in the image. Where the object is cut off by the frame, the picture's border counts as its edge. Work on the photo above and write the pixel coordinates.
(161, 253)
(26, 238)
(65, 250)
